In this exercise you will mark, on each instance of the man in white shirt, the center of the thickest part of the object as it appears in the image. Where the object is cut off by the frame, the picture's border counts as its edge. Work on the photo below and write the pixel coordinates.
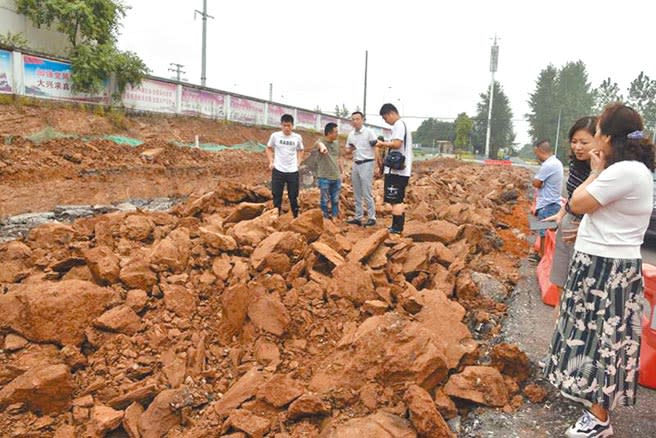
(549, 182)
(361, 142)
(396, 180)
(285, 152)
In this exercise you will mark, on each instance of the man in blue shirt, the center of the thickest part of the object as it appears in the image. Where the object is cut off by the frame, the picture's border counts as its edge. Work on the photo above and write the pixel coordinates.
(549, 182)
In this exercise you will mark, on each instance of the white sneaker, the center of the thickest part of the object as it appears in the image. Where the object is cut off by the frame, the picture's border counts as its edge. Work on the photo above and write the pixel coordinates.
(589, 426)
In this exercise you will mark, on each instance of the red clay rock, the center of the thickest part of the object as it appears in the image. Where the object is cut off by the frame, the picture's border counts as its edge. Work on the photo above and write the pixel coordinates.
(121, 319)
(216, 241)
(53, 235)
(308, 405)
(244, 211)
(172, 253)
(136, 299)
(44, 389)
(511, 361)
(131, 420)
(287, 242)
(160, 417)
(483, 385)
(103, 264)
(179, 300)
(433, 231)
(105, 419)
(253, 425)
(245, 388)
(535, 393)
(424, 415)
(266, 352)
(378, 425)
(269, 314)
(445, 405)
(366, 247)
(330, 254)
(14, 342)
(252, 232)
(309, 224)
(280, 390)
(16, 261)
(221, 268)
(54, 312)
(352, 282)
(136, 273)
(375, 307)
(137, 227)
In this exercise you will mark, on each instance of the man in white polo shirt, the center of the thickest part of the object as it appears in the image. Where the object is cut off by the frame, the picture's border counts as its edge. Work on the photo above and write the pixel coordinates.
(285, 152)
(362, 143)
(396, 180)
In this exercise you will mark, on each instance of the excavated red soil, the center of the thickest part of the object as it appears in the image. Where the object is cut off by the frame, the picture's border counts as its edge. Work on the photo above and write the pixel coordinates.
(218, 318)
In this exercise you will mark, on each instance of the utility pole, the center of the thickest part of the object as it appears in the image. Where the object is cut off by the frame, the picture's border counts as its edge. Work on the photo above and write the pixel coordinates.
(177, 69)
(366, 64)
(558, 132)
(494, 61)
(203, 76)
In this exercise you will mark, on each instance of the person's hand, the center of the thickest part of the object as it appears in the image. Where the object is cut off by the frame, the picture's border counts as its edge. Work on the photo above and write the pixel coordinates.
(597, 160)
(323, 149)
(379, 144)
(270, 166)
(377, 172)
(556, 217)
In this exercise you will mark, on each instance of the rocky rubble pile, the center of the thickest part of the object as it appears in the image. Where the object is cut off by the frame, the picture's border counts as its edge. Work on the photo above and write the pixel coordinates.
(218, 318)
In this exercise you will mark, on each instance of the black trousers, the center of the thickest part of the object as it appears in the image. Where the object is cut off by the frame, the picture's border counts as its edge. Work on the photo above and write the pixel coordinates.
(278, 181)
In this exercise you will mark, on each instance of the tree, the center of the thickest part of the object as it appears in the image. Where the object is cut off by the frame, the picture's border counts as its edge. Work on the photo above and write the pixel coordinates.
(92, 29)
(544, 112)
(563, 94)
(642, 97)
(463, 127)
(607, 92)
(432, 130)
(342, 112)
(501, 135)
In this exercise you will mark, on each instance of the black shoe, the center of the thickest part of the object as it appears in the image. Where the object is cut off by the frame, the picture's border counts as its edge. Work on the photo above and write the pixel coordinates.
(354, 221)
(393, 230)
(370, 223)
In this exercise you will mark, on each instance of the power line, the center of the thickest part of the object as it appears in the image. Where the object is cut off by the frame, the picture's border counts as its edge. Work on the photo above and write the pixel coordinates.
(177, 69)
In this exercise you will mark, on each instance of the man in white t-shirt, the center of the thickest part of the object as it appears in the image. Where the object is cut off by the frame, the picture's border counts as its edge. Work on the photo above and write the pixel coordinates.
(285, 152)
(396, 180)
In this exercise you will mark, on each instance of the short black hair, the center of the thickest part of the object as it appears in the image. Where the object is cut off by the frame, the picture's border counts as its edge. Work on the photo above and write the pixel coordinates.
(543, 145)
(287, 118)
(388, 108)
(329, 128)
(357, 112)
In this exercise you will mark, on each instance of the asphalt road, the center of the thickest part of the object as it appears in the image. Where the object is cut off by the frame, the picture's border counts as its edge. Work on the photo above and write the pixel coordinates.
(649, 251)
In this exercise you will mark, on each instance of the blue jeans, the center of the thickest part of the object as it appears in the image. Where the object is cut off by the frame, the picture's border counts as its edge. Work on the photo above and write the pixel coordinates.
(545, 212)
(330, 189)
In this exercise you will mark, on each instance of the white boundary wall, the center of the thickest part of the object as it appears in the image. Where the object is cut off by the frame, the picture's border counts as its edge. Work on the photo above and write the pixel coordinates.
(49, 78)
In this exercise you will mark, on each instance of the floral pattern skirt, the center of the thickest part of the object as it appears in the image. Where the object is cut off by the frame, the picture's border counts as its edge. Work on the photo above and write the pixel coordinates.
(596, 343)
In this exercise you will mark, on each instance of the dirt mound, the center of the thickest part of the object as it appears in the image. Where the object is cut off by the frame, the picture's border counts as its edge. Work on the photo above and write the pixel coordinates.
(217, 317)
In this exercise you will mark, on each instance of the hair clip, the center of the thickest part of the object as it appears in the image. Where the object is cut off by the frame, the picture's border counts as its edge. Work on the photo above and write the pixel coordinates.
(635, 135)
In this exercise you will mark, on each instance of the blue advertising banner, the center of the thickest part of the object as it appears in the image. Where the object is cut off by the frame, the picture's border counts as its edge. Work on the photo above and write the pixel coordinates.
(6, 72)
(47, 78)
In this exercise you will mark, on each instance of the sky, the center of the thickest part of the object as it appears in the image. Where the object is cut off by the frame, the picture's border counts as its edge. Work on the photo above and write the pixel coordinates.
(429, 58)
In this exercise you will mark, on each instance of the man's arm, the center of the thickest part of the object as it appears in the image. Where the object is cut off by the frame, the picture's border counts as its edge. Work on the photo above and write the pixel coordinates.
(299, 156)
(392, 144)
(269, 154)
(537, 183)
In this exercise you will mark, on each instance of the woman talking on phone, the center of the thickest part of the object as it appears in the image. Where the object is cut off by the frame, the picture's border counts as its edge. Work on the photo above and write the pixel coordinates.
(595, 346)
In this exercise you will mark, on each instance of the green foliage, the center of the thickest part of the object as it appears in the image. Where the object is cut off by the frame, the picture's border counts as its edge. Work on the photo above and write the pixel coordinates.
(642, 97)
(464, 126)
(434, 130)
(92, 29)
(80, 20)
(501, 133)
(607, 92)
(342, 112)
(16, 40)
(566, 92)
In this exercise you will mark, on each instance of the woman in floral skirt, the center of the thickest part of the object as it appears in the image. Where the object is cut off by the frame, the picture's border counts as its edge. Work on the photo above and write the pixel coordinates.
(595, 346)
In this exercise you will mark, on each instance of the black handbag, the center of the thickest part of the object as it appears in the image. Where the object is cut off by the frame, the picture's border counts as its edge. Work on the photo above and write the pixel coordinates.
(394, 159)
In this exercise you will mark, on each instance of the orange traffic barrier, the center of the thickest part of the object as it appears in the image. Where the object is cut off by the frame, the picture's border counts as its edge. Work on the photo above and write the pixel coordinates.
(648, 343)
(549, 291)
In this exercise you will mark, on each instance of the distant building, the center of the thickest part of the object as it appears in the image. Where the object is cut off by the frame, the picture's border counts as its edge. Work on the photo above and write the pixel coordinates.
(41, 40)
